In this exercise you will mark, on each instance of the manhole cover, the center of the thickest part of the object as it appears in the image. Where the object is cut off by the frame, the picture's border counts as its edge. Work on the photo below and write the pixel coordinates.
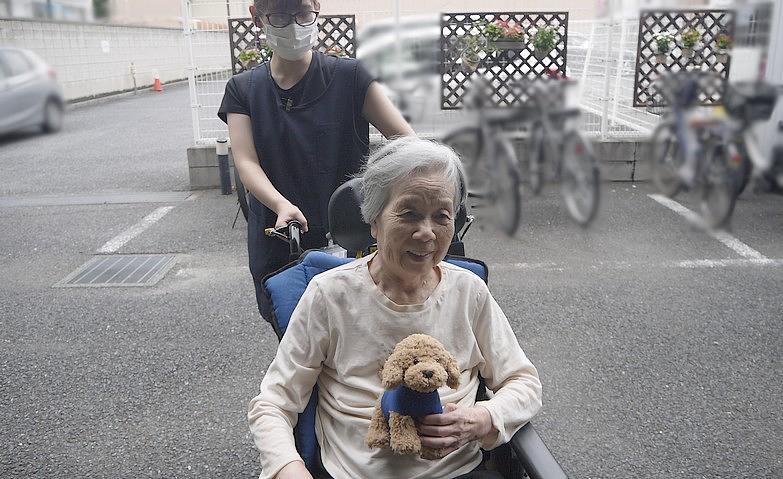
(120, 270)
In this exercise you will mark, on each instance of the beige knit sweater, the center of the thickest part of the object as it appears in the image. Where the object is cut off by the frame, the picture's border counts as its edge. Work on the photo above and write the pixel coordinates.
(340, 334)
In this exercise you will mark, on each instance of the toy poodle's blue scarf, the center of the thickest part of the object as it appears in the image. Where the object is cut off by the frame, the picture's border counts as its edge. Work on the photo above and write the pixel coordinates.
(408, 402)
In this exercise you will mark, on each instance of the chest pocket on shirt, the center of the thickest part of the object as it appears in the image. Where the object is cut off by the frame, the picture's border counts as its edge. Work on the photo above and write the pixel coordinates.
(328, 148)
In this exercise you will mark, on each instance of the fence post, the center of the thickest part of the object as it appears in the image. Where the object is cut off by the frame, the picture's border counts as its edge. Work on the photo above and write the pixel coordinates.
(607, 70)
(221, 148)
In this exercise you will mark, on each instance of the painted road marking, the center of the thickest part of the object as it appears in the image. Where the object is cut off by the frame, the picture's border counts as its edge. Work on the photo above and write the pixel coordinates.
(119, 241)
(628, 265)
(728, 240)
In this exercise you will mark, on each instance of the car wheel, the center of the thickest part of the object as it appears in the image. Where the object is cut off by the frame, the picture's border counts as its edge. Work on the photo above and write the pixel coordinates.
(53, 116)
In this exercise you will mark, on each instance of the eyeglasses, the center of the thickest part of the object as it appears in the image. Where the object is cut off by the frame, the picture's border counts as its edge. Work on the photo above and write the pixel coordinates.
(280, 20)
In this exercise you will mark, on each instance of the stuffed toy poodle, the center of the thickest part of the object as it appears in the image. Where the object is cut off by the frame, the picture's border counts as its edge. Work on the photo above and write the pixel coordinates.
(411, 376)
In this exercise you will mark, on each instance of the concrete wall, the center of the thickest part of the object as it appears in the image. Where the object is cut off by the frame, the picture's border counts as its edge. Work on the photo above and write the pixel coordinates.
(618, 160)
(94, 59)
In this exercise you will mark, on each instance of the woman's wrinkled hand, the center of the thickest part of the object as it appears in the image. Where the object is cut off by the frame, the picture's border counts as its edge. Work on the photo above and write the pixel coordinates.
(294, 470)
(454, 428)
(288, 213)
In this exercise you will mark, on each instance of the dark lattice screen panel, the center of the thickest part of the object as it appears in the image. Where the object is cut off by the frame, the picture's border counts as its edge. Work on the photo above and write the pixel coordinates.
(510, 62)
(709, 23)
(333, 31)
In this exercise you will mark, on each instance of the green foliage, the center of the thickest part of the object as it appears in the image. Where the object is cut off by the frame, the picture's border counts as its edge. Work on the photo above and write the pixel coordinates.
(690, 38)
(504, 30)
(723, 41)
(493, 31)
(545, 38)
(249, 55)
(663, 42)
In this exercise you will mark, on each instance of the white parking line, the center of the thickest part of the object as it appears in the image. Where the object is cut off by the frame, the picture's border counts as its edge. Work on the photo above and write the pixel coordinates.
(730, 241)
(118, 241)
(628, 265)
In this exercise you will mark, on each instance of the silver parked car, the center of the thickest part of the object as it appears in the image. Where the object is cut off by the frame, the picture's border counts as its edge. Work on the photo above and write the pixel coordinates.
(29, 92)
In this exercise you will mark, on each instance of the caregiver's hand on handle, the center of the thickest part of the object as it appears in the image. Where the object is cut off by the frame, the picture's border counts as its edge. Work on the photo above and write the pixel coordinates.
(454, 428)
(286, 213)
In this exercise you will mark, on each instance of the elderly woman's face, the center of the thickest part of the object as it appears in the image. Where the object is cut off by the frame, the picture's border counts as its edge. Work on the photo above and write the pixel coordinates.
(415, 228)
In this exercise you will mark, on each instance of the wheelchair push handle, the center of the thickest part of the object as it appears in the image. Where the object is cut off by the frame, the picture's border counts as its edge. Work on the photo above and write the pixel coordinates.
(291, 234)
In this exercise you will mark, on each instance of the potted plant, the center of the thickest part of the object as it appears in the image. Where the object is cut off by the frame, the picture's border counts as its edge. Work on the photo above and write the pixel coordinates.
(689, 40)
(504, 35)
(337, 51)
(724, 43)
(544, 41)
(470, 48)
(662, 45)
(249, 58)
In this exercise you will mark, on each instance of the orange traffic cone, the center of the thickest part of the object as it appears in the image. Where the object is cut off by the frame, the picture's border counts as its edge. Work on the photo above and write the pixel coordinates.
(157, 86)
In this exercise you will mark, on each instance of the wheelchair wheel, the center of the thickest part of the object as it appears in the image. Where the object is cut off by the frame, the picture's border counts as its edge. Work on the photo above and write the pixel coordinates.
(667, 158)
(241, 193)
(580, 179)
(719, 193)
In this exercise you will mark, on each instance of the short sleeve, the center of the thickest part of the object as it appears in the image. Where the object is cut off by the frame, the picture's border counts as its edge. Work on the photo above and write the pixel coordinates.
(234, 98)
(363, 80)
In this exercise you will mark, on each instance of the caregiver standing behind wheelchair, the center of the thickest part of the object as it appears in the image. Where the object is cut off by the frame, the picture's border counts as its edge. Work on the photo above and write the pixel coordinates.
(299, 128)
(350, 318)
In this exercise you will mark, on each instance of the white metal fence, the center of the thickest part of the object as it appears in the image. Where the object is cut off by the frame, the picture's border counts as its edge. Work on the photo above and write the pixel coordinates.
(601, 55)
(94, 59)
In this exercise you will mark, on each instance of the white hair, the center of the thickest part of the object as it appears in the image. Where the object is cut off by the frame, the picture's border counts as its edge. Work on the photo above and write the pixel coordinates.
(401, 159)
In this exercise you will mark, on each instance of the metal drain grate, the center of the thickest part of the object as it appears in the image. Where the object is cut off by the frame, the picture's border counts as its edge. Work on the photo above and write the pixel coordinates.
(120, 270)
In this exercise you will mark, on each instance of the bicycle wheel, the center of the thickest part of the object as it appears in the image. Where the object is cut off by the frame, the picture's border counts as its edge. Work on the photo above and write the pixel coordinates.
(719, 193)
(667, 159)
(241, 193)
(505, 197)
(536, 159)
(580, 179)
(467, 143)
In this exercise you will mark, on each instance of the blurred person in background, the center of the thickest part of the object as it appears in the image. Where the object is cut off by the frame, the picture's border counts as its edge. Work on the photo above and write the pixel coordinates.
(299, 127)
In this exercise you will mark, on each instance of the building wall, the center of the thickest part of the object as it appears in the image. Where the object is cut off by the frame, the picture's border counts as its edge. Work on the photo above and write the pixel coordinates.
(72, 10)
(93, 59)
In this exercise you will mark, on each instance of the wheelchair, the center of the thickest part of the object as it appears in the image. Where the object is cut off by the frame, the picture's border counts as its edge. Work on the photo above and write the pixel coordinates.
(525, 455)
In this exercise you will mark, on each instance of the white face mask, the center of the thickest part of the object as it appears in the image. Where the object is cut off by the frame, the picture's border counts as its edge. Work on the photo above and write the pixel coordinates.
(292, 41)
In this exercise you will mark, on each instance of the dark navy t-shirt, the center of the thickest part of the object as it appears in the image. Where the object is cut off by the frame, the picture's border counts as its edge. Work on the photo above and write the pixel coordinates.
(309, 140)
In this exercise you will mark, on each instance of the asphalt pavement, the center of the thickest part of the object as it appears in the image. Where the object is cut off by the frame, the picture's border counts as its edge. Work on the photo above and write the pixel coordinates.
(658, 344)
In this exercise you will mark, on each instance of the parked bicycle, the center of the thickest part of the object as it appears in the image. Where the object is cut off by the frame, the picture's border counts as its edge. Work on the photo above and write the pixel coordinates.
(490, 160)
(558, 150)
(746, 104)
(695, 151)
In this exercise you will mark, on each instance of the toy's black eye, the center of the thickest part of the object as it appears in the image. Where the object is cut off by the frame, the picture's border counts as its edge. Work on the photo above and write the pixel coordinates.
(415, 361)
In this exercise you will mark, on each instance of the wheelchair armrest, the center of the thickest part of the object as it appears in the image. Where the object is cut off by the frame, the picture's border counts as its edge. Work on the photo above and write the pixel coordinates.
(535, 457)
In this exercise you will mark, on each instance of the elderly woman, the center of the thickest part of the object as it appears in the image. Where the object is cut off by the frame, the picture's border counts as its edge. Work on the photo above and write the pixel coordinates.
(350, 318)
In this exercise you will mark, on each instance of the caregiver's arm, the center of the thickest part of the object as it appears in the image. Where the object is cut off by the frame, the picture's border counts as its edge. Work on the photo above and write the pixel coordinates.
(246, 161)
(383, 115)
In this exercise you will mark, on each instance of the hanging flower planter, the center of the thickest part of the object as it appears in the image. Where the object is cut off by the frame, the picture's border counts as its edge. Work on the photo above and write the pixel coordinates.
(504, 44)
(544, 41)
(540, 54)
(504, 35)
(249, 58)
(723, 43)
(470, 62)
(662, 45)
(690, 40)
